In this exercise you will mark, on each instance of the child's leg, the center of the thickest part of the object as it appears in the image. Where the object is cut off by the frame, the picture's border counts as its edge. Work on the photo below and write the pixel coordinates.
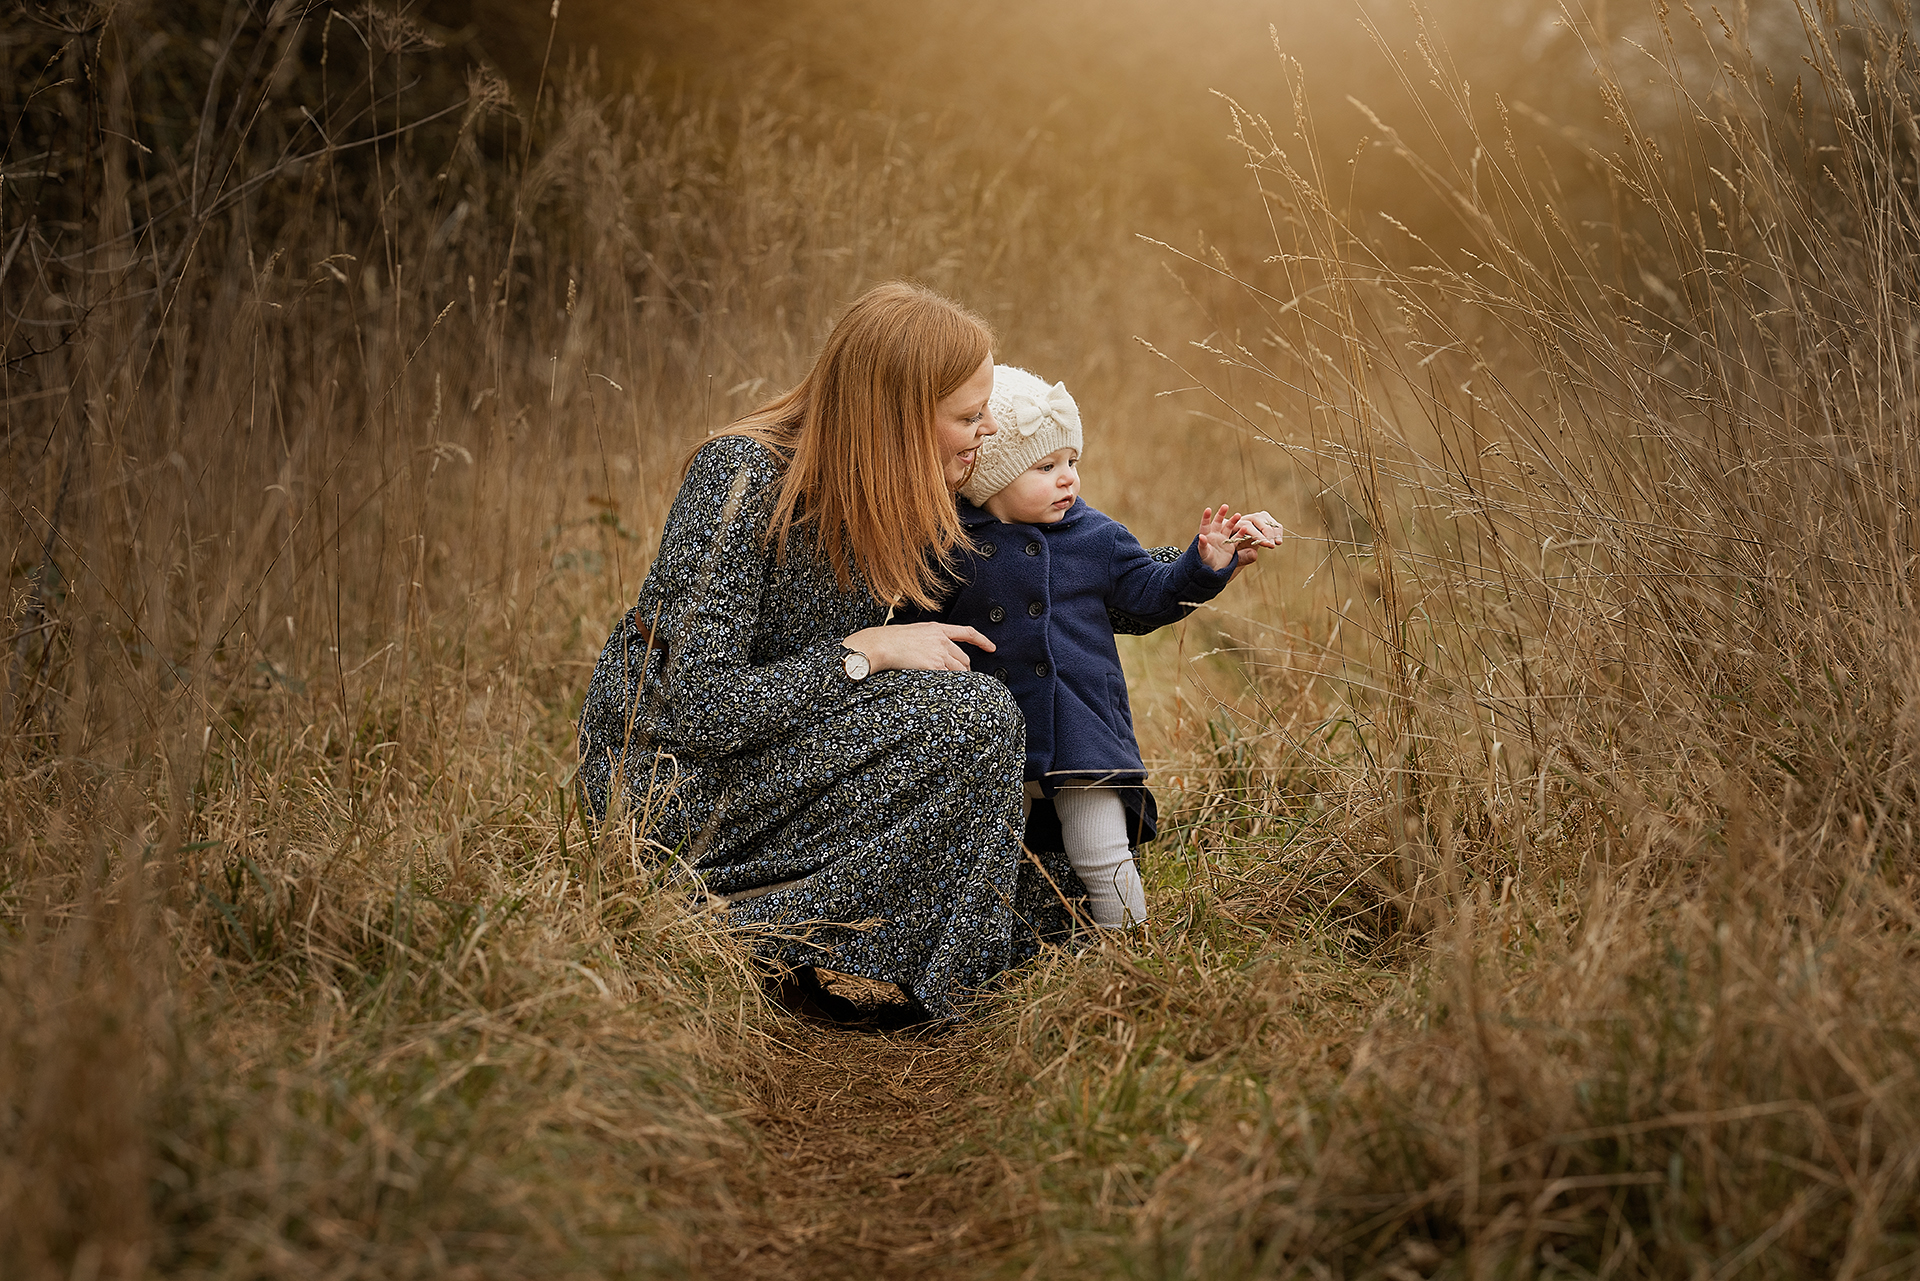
(1094, 822)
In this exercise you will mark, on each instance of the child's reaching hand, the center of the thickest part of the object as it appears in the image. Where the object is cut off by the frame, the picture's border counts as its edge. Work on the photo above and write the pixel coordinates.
(1229, 538)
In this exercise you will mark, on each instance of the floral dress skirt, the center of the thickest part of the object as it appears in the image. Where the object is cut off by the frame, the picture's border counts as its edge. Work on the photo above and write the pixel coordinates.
(872, 827)
(890, 827)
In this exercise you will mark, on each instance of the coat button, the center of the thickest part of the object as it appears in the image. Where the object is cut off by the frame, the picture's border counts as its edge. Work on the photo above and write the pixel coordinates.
(987, 550)
(999, 673)
(1041, 669)
(1033, 549)
(1034, 610)
(996, 615)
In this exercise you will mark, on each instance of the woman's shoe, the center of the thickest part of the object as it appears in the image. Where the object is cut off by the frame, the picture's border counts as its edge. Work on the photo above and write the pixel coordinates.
(800, 991)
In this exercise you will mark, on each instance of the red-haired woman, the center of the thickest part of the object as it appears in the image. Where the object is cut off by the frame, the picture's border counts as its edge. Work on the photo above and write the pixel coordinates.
(852, 788)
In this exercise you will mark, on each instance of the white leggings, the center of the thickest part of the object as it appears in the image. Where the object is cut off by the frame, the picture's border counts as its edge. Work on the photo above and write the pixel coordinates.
(1094, 822)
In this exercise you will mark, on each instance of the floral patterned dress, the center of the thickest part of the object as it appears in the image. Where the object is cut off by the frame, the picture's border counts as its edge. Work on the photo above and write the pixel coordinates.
(879, 820)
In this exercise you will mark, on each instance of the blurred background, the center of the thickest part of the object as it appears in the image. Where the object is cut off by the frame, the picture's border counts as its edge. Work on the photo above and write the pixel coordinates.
(644, 218)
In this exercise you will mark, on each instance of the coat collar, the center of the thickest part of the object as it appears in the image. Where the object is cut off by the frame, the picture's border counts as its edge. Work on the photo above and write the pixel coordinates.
(970, 516)
(974, 518)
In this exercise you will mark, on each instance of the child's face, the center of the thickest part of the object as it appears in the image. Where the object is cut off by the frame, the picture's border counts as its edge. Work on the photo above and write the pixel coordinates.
(1041, 494)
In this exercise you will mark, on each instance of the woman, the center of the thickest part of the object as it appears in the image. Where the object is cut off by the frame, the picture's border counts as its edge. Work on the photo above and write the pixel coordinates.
(852, 788)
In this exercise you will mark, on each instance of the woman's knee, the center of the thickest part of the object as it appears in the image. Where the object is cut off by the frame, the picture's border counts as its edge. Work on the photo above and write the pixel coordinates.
(967, 710)
(977, 700)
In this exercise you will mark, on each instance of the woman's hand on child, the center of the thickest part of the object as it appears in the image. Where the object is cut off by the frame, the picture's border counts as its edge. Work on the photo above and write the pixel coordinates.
(917, 647)
(1229, 538)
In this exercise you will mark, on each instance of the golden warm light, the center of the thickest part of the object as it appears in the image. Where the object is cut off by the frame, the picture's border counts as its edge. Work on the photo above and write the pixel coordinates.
(1535, 886)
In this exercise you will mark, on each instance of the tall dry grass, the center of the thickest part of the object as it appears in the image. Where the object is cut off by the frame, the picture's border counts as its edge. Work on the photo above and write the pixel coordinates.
(344, 396)
(1537, 892)
(1580, 937)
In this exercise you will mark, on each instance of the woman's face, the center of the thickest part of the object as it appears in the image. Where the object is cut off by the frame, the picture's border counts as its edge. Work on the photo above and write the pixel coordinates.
(960, 419)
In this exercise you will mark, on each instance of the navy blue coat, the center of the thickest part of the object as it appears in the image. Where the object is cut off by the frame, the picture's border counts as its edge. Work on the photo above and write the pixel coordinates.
(1042, 593)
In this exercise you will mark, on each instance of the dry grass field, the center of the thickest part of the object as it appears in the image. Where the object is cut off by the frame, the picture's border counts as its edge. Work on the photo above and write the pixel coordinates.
(1538, 896)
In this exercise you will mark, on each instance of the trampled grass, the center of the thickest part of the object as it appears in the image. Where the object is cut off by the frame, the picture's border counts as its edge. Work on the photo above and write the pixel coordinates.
(1537, 895)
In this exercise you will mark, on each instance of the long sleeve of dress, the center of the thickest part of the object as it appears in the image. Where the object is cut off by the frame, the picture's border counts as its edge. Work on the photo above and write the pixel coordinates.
(1155, 592)
(720, 696)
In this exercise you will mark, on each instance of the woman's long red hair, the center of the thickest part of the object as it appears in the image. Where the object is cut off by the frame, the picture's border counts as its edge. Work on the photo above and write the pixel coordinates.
(864, 471)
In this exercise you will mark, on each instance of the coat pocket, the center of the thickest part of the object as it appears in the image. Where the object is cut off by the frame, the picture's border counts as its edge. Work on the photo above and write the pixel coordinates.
(1117, 707)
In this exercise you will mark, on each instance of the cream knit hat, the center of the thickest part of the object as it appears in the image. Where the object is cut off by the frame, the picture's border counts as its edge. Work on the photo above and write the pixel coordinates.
(1034, 420)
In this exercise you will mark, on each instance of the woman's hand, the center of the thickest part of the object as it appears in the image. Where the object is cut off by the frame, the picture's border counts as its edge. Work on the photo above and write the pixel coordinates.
(917, 647)
(1229, 538)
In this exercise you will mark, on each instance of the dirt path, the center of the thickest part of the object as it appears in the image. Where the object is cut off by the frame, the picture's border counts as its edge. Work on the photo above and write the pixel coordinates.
(853, 1126)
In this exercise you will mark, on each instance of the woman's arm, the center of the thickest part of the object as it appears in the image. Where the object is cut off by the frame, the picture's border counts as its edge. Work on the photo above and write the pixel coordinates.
(720, 701)
(920, 639)
(918, 647)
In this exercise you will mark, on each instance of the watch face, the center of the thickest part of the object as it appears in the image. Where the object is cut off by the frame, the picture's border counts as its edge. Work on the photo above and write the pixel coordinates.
(856, 664)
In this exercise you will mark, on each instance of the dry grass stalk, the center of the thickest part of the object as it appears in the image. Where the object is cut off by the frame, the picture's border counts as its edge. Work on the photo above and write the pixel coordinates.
(1623, 776)
(1546, 908)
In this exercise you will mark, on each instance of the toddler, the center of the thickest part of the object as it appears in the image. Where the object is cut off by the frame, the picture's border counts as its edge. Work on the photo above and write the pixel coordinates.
(1044, 573)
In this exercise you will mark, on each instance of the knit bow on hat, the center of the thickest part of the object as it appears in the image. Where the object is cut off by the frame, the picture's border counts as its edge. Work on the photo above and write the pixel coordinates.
(1034, 421)
(1029, 412)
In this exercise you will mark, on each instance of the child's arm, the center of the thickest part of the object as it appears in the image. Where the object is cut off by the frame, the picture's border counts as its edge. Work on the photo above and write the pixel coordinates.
(1229, 541)
(1153, 593)
(1127, 624)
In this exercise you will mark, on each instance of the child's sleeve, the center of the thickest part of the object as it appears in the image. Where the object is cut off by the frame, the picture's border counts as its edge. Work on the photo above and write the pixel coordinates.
(1151, 589)
(1127, 624)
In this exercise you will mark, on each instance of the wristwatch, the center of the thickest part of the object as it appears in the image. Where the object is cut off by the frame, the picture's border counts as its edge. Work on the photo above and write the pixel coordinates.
(856, 665)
